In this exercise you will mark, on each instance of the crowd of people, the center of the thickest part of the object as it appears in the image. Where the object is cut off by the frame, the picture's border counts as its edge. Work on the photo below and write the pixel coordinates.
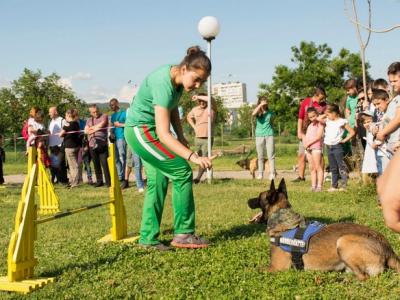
(366, 124)
(72, 143)
(369, 123)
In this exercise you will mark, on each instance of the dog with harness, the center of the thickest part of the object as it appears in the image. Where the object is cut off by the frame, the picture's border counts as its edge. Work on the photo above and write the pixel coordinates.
(317, 246)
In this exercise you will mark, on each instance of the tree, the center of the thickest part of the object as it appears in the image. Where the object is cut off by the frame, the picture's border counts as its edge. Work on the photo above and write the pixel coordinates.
(32, 89)
(364, 44)
(243, 127)
(314, 65)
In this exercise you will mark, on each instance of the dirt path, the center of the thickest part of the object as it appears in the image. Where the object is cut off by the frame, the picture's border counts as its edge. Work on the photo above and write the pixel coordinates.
(287, 174)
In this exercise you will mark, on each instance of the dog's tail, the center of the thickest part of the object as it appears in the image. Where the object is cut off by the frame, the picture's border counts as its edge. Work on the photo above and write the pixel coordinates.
(393, 262)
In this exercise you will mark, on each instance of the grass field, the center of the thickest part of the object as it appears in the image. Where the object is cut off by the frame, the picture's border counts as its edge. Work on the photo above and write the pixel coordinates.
(230, 268)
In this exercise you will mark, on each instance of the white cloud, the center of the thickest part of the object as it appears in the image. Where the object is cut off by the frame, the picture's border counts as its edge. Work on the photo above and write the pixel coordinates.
(97, 94)
(65, 82)
(81, 76)
(127, 92)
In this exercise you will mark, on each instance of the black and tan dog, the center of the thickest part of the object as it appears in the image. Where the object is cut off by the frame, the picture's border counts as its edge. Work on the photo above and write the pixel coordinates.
(252, 165)
(336, 247)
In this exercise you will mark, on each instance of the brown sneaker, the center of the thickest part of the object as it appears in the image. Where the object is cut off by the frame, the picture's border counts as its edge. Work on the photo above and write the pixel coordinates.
(189, 241)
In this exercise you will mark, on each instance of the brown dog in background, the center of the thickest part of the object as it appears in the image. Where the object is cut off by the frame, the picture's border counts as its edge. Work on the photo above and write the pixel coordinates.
(337, 247)
(252, 165)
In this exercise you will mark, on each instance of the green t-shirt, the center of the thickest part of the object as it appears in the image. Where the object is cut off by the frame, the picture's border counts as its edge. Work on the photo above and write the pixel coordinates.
(263, 124)
(156, 89)
(351, 103)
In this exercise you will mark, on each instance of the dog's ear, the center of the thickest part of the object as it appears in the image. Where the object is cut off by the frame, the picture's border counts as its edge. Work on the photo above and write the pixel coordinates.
(272, 186)
(282, 187)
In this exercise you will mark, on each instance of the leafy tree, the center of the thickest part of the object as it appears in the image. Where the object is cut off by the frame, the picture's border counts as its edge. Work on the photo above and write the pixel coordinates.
(32, 89)
(314, 65)
(244, 125)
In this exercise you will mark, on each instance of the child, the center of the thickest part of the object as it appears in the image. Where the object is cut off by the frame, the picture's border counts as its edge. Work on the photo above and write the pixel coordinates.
(38, 137)
(378, 84)
(27, 123)
(84, 153)
(369, 165)
(333, 140)
(55, 160)
(313, 145)
(351, 102)
(381, 101)
(2, 159)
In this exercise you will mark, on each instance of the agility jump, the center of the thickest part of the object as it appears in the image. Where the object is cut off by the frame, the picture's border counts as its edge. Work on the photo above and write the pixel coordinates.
(21, 260)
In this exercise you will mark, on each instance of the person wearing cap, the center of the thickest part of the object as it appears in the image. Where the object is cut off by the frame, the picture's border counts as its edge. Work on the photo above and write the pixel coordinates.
(198, 120)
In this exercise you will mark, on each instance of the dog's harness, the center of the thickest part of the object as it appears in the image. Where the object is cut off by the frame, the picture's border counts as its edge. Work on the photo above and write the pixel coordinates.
(296, 241)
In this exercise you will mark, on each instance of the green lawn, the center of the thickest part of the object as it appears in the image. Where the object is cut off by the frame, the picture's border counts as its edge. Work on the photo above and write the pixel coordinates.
(230, 268)
(15, 163)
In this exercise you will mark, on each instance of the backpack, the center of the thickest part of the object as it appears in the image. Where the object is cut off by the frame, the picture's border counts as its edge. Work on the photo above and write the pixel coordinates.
(24, 131)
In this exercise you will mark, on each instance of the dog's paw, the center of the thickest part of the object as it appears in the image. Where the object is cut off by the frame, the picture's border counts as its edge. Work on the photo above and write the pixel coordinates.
(257, 219)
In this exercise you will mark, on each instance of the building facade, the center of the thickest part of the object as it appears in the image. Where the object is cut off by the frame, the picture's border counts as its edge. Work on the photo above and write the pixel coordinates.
(233, 94)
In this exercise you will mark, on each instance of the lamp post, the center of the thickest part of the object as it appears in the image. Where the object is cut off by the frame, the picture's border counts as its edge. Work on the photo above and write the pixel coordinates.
(209, 29)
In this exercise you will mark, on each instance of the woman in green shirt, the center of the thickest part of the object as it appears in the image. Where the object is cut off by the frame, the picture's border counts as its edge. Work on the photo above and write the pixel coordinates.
(264, 137)
(152, 111)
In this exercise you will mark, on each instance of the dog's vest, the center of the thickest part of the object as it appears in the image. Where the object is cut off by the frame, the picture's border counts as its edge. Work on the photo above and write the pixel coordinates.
(296, 241)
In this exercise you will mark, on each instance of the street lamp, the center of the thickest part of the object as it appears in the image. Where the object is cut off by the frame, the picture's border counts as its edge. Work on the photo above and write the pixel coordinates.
(209, 29)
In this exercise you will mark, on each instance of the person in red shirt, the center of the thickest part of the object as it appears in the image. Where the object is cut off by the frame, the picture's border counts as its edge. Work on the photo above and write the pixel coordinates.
(318, 102)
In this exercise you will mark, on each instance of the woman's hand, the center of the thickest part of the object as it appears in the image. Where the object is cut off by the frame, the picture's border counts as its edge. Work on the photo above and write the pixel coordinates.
(203, 162)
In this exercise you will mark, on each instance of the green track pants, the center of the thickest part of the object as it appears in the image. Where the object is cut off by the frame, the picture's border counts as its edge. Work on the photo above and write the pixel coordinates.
(160, 165)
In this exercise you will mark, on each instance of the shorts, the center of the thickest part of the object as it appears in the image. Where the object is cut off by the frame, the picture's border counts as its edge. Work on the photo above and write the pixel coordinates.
(316, 151)
(201, 146)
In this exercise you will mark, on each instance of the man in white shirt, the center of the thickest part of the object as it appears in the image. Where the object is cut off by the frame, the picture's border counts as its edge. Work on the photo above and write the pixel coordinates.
(55, 142)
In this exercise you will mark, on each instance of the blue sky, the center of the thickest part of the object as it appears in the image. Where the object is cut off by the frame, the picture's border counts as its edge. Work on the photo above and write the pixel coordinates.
(98, 46)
